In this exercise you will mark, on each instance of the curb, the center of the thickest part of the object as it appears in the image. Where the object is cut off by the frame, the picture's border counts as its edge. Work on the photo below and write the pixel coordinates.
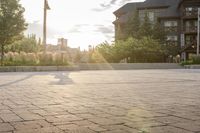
(90, 66)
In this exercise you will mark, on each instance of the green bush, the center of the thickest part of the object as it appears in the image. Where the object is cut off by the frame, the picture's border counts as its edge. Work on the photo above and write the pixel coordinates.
(60, 59)
(188, 62)
(195, 59)
(35, 59)
(45, 59)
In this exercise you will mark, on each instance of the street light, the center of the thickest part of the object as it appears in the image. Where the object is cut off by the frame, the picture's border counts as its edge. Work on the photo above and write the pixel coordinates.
(46, 7)
(198, 32)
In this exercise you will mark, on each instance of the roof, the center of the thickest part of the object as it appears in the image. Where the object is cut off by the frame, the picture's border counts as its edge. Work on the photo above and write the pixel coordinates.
(123, 19)
(155, 3)
(127, 8)
(170, 5)
(172, 11)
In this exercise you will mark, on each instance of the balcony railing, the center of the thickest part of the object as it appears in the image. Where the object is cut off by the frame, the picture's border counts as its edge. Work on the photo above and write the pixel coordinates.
(191, 13)
(191, 29)
(171, 29)
(188, 44)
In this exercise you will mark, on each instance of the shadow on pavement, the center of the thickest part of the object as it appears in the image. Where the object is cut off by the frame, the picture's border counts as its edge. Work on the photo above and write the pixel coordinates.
(61, 78)
(16, 81)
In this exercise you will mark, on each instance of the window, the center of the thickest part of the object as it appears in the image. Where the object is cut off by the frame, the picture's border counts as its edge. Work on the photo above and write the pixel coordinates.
(171, 26)
(170, 23)
(172, 38)
(190, 39)
(191, 26)
(191, 11)
(151, 16)
(191, 23)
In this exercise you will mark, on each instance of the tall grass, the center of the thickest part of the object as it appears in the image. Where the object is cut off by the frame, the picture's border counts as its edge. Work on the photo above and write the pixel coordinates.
(35, 59)
(195, 60)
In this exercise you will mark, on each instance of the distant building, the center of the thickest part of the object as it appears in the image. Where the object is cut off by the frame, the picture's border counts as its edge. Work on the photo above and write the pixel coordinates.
(62, 47)
(179, 17)
(62, 43)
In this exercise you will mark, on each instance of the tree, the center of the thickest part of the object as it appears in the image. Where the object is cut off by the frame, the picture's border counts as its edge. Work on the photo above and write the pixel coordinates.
(27, 44)
(159, 32)
(133, 25)
(78, 56)
(145, 49)
(146, 28)
(12, 23)
(105, 50)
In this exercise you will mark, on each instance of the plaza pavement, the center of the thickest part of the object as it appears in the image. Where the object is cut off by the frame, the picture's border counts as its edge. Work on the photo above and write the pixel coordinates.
(132, 101)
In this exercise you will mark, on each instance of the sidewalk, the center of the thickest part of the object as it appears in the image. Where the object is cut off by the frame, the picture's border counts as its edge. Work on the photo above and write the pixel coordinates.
(142, 101)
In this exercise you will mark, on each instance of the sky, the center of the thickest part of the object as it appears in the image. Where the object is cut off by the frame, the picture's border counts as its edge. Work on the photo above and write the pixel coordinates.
(82, 22)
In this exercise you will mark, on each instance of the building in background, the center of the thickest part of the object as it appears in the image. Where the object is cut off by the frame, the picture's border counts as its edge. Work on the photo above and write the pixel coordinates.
(179, 17)
(62, 44)
(62, 47)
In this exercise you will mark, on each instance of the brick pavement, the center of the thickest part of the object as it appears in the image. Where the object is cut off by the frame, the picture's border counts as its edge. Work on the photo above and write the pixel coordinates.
(132, 101)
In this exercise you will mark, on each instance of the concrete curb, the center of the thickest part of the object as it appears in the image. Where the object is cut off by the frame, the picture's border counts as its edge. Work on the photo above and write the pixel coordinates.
(90, 66)
(37, 68)
(130, 66)
(192, 66)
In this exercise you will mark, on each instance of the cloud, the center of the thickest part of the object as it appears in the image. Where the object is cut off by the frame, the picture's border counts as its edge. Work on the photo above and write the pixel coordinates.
(122, 2)
(37, 29)
(112, 2)
(105, 29)
(105, 6)
(98, 29)
(78, 28)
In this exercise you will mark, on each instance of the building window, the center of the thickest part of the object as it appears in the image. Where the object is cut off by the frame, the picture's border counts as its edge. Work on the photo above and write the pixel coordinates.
(151, 16)
(191, 26)
(190, 39)
(189, 11)
(171, 26)
(171, 23)
(172, 38)
(191, 23)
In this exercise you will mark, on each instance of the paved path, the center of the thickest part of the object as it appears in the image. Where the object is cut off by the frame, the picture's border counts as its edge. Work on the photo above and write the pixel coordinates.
(136, 101)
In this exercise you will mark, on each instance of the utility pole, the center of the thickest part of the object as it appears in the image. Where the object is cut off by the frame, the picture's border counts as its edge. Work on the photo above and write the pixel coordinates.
(198, 32)
(46, 7)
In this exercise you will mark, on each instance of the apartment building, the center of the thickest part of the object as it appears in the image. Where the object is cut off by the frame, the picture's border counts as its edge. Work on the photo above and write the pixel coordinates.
(179, 18)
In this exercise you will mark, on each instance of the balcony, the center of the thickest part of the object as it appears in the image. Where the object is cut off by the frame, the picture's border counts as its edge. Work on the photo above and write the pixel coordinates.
(188, 43)
(190, 46)
(190, 29)
(171, 29)
(193, 13)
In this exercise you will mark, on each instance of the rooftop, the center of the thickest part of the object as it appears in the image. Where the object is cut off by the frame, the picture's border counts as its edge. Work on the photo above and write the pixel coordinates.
(170, 5)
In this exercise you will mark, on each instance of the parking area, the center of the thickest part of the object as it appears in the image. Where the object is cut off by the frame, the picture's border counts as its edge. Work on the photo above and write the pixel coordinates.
(128, 101)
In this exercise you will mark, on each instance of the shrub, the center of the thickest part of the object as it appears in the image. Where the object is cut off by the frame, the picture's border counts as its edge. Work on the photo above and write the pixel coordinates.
(33, 59)
(16, 57)
(195, 59)
(189, 62)
(8, 56)
(65, 59)
(23, 57)
(60, 59)
(45, 58)
(57, 58)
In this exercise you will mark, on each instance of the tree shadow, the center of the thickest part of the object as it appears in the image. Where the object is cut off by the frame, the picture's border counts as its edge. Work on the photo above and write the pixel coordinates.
(62, 77)
(16, 81)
